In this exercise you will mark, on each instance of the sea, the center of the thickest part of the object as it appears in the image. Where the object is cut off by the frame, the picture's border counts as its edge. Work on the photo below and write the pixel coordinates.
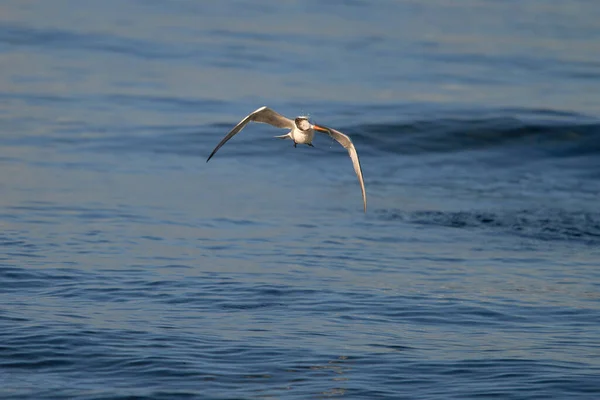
(130, 268)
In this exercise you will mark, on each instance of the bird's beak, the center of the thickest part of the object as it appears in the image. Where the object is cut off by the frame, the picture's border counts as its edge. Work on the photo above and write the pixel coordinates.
(320, 128)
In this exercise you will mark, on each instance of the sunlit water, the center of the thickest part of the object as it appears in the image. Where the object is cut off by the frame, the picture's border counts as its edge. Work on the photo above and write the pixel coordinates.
(131, 268)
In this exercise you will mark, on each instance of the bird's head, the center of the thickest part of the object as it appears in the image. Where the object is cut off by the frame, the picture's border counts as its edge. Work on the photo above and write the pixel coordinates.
(302, 123)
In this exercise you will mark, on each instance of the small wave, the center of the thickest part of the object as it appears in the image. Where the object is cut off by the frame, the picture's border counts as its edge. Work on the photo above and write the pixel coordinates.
(539, 134)
(431, 136)
(541, 224)
(561, 139)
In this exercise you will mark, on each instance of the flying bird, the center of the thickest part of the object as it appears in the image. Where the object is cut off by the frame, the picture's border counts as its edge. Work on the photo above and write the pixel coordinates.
(301, 132)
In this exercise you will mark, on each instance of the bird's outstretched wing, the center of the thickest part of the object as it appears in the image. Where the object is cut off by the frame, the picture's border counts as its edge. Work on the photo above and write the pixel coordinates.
(264, 115)
(348, 145)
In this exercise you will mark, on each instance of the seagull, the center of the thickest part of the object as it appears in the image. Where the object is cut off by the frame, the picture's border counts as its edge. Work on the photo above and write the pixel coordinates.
(302, 132)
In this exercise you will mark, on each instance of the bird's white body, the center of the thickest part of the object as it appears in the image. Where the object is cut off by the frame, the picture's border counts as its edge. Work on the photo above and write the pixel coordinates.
(299, 136)
(303, 137)
(302, 132)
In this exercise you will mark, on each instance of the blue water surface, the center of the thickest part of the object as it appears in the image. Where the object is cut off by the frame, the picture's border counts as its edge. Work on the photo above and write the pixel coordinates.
(132, 269)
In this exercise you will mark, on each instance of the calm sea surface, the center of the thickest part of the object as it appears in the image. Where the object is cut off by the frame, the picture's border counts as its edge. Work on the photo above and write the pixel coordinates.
(132, 269)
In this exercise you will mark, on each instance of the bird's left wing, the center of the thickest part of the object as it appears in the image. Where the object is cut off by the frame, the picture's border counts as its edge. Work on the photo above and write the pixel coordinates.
(348, 145)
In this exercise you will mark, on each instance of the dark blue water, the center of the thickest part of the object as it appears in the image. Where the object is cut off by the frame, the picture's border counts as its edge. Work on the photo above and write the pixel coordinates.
(131, 268)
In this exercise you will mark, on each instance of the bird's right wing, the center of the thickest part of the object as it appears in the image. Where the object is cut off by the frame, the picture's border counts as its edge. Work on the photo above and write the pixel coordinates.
(264, 115)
